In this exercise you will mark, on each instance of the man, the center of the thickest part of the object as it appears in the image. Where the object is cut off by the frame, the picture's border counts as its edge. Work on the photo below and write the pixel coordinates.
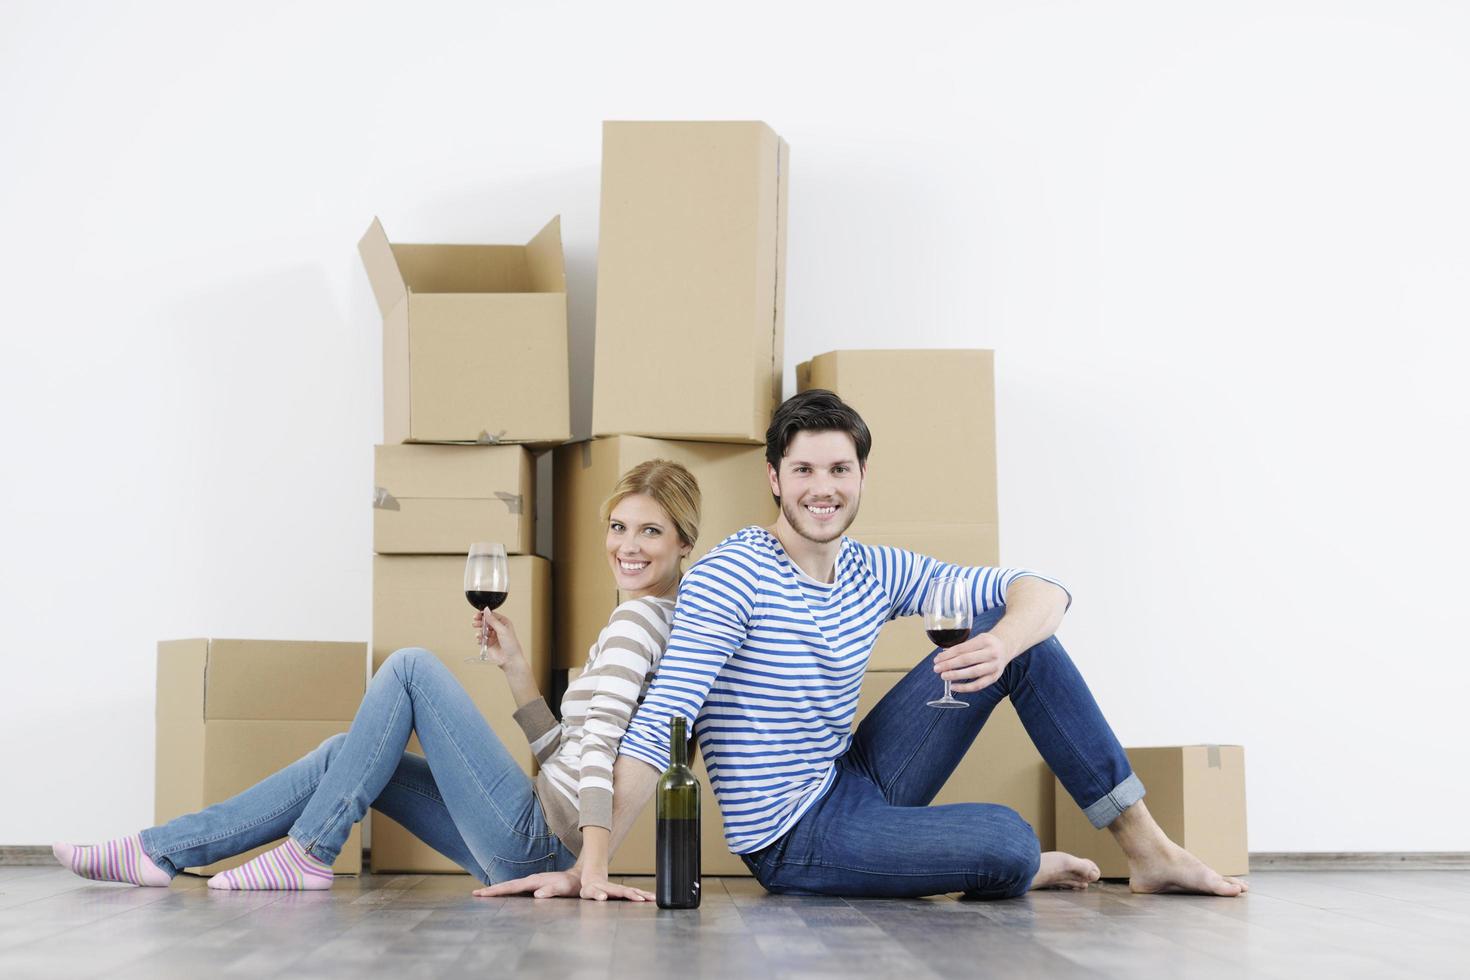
(771, 637)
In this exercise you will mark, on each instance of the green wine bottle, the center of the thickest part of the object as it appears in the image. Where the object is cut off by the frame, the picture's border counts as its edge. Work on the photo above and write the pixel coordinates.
(677, 881)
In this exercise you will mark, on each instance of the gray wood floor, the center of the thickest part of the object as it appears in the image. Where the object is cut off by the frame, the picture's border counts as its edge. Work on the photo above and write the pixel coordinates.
(1292, 924)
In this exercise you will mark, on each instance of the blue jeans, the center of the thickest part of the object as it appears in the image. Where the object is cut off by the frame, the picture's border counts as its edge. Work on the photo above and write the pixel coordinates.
(465, 797)
(874, 834)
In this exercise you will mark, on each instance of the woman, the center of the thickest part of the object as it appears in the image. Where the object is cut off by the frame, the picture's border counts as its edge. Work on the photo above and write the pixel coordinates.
(465, 796)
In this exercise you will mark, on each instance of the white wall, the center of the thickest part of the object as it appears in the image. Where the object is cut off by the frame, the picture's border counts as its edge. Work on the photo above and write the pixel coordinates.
(1220, 249)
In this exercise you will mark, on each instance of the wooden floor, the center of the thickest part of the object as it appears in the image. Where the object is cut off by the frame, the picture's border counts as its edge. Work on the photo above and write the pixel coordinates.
(1292, 924)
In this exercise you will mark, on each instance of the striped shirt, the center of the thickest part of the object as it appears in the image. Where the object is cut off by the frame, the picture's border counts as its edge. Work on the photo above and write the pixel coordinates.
(576, 754)
(766, 663)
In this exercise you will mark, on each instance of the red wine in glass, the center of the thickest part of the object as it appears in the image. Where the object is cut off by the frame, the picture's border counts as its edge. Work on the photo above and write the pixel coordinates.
(941, 637)
(948, 614)
(486, 581)
(482, 600)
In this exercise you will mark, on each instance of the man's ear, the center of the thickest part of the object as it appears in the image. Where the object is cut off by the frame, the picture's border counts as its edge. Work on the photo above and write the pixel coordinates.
(773, 478)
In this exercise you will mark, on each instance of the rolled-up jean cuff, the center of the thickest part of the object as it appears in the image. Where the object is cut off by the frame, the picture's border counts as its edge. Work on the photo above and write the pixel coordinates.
(1124, 795)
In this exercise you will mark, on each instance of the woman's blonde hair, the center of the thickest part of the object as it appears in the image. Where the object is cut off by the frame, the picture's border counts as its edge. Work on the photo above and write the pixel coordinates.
(671, 485)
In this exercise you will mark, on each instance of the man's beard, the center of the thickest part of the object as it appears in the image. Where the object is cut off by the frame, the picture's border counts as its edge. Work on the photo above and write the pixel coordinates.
(795, 513)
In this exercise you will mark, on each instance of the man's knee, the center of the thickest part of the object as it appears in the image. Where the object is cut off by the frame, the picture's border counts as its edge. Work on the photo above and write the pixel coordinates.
(1010, 852)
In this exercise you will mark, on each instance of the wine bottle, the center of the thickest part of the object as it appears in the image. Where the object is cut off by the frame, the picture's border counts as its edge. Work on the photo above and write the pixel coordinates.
(677, 881)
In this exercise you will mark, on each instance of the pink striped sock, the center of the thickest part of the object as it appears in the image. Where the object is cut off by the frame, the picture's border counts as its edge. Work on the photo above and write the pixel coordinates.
(286, 867)
(121, 860)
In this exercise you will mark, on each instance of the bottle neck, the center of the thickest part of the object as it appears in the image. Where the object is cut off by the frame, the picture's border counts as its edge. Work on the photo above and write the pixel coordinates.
(678, 742)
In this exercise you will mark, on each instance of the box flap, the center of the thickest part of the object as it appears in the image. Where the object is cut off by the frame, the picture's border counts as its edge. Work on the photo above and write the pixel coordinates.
(544, 260)
(387, 281)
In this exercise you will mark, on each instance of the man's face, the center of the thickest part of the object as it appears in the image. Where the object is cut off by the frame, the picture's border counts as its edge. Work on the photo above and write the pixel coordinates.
(819, 484)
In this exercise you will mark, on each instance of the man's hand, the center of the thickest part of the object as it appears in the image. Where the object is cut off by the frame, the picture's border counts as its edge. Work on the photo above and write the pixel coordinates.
(974, 664)
(547, 884)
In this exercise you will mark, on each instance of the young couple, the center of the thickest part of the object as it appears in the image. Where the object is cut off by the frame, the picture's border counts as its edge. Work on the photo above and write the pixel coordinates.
(764, 659)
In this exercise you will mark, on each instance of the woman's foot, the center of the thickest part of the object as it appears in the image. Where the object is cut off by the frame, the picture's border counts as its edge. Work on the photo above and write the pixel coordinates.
(1062, 870)
(122, 860)
(285, 867)
(1170, 868)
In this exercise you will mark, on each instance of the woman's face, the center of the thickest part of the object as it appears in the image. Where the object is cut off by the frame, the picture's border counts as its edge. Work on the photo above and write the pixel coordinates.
(642, 547)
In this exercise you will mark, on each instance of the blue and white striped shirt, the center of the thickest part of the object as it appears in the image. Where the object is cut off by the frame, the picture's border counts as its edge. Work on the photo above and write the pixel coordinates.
(766, 664)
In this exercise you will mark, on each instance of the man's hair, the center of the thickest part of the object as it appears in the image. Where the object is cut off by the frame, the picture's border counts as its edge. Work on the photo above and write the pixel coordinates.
(815, 410)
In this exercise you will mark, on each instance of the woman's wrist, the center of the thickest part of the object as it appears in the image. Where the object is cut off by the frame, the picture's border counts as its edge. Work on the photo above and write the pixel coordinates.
(515, 665)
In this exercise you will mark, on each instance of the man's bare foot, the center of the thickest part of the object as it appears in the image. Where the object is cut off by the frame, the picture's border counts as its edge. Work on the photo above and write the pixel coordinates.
(1170, 868)
(1062, 870)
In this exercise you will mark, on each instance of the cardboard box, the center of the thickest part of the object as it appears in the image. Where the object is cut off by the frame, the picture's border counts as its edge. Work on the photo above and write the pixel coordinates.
(1195, 792)
(474, 339)
(690, 280)
(1002, 766)
(437, 500)
(231, 712)
(418, 601)
(932, 416)
(902, 643)
(733, 492)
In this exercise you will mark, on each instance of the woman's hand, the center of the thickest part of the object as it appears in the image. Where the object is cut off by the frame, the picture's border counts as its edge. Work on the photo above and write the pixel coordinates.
(599, 889)
(565, 884)
(547, 884)
(499, 636)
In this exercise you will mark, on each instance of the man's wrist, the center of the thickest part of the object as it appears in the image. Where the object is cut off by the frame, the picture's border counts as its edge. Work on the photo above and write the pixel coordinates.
(1013, 645)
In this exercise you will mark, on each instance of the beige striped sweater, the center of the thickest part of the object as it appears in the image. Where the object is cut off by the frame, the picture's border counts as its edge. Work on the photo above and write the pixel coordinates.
(576, 754)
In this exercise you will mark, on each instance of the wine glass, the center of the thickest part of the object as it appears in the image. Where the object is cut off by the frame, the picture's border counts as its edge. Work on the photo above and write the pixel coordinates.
(947, 612)
(486, 579)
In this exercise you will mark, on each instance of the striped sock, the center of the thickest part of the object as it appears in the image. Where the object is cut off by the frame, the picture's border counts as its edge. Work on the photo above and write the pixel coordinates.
(286, 867)
(122, 860)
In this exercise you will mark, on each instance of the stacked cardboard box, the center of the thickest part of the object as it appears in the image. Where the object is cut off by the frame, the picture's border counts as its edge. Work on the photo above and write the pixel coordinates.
(474, 352)
(1195, 792)
(690, 295)
(931, 488)
(232, 712)
(690, 280)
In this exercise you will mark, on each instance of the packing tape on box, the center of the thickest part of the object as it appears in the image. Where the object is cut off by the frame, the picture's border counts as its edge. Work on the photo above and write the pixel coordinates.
(383, 500)
(586, 455)
(1212, 756)
(487, 439)
(512, 501)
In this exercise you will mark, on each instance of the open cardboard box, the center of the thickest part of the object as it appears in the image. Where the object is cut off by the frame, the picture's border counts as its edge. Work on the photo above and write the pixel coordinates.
(474, 339)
